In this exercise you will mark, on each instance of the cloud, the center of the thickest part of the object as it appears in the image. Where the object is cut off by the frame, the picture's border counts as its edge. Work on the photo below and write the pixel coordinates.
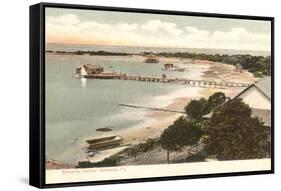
(68, 19)
(70, 28)
(127, 27)
(157, 26)
(191, 29)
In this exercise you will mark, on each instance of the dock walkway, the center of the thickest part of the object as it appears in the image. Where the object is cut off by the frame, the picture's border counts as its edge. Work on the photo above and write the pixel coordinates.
(183, 81)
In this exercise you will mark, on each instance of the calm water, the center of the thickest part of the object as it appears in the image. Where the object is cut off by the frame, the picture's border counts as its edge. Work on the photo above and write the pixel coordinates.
(75, 108)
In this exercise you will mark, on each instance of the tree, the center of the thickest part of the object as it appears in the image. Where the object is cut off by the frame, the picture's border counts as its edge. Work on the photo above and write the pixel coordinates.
(181, 133)
(196, 109)
(215, 100)
(233, 134)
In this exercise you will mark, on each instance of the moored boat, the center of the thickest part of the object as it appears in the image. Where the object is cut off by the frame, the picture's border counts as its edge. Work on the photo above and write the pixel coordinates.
(105, 142)
(104, 129)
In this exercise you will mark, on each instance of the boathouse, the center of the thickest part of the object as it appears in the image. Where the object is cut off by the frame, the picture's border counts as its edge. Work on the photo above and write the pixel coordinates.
(90, 69)
(168, 66)
(152, 58)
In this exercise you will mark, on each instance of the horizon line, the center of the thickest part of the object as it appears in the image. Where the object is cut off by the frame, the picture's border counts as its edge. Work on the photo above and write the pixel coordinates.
(159, 47)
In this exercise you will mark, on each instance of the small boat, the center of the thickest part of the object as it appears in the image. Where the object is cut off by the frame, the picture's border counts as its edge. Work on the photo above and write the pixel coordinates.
(91, 154)
(104, 129)
(178, 69)
(105, 142)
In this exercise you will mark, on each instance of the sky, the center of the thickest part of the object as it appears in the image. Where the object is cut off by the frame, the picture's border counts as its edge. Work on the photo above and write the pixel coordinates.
(76, 26)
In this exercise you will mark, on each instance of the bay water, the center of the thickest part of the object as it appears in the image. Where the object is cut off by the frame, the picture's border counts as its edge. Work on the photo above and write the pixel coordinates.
(75, 107)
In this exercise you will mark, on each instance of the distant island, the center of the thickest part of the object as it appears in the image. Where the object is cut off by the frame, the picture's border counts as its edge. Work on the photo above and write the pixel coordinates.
(91, 53)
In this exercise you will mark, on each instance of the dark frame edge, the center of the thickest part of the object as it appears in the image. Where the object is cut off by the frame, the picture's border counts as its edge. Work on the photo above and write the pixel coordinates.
(272, 95)
(154, 11)
(35, 128)
(37, 92)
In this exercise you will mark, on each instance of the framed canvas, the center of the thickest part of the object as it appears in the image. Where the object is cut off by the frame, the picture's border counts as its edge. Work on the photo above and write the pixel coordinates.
(121, 95)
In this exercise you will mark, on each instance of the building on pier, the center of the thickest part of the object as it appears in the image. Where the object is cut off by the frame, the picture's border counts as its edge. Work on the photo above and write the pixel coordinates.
(89, 69)
(152, 58)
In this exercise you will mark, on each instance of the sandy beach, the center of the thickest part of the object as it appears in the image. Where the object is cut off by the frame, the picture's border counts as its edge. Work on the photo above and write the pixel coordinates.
(161, 120)
(158, 120)
(155, 122)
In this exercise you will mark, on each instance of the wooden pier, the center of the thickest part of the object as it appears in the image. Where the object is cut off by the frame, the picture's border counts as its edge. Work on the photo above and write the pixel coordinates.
(183, 81)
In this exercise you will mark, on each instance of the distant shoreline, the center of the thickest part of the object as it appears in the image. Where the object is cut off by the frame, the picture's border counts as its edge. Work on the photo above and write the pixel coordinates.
(91, 53)
(175, 49)
(258, 65)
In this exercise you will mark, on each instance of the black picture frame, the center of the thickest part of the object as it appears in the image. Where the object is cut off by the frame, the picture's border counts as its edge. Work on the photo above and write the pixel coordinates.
(37, 93)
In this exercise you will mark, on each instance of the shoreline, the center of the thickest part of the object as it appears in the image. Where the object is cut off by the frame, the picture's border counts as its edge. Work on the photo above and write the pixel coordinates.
(159, 121)
(156, 121)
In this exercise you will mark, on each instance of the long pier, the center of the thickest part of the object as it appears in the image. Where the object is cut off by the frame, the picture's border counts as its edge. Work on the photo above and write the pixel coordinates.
(183, 81)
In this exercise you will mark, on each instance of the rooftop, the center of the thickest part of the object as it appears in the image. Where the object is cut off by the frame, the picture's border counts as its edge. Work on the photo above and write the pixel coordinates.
(265, 86)
(93, 66)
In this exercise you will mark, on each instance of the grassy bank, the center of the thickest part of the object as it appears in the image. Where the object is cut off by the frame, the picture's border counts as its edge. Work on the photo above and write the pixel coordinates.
(114, 160)
(149, 152)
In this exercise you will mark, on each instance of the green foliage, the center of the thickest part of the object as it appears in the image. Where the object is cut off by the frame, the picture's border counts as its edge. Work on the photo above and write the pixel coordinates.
(196, 109)
(233, 134)
(105, 53)
(107, 162)
(149, 145)
(181, 133)
(215, 100)
(199, 157)
(114, 160)
(248, 62)
(84, 164)
(258, 74)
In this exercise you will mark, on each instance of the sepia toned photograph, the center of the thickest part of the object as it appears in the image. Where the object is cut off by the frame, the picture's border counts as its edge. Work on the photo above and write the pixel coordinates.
(132, 95)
